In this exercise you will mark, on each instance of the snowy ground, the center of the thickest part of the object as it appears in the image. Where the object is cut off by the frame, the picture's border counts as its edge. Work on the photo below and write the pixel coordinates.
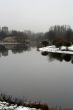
(53, 49)
(6, 106)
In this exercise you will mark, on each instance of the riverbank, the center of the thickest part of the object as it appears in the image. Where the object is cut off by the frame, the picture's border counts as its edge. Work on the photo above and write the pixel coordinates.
(10, 103)
(7, 106)
(53, 49)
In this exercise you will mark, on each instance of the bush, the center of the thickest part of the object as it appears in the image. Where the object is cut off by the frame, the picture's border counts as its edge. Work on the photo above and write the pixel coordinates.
(45, 43)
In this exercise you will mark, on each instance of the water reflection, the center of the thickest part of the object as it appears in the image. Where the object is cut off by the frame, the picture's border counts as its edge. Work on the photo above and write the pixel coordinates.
(59, 56)
(21, 48)
(4, 49)
(30, 75)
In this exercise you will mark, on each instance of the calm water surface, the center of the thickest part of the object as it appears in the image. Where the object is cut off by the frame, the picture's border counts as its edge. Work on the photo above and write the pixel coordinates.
(37, 77)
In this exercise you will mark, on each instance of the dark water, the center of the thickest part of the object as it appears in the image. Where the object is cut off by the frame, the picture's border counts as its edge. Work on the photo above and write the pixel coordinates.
(24, 72)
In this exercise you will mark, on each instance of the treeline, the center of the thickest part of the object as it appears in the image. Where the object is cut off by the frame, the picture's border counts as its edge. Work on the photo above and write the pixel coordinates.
(59, 35)
(17, 35)
(20, 36)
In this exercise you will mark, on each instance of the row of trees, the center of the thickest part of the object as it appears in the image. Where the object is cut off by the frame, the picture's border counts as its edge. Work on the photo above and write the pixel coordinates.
(57, 35)
(19, 36)
(60, 35)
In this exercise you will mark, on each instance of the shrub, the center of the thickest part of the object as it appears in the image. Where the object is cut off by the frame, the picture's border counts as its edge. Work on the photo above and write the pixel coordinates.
(45, 43)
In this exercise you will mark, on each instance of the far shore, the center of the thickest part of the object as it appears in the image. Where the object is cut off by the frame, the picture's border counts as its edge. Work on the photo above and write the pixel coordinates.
(2, 43)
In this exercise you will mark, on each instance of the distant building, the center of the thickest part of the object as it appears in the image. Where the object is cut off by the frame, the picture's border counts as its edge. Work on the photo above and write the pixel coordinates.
(5, 29)
(0, 29)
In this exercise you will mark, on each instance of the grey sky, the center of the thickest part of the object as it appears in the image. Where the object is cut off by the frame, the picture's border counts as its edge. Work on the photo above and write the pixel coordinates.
(35, 15)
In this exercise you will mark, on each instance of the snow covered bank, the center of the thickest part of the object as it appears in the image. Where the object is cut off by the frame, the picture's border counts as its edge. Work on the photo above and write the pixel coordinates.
(25, 108)
(70, 48)
(7, 106)
(53, 49)
(10, 103)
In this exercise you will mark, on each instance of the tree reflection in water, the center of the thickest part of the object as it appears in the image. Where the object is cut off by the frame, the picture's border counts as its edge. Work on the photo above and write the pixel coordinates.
(19, 48)
(14, 48)
(3, 51)
(59, 56)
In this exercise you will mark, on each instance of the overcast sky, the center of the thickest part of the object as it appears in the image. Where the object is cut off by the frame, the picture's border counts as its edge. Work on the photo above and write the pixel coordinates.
(35, 15)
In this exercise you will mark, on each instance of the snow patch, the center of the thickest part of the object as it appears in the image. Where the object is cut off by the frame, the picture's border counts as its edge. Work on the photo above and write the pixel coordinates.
(70, 48)
(62, 49)
(6, 106)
